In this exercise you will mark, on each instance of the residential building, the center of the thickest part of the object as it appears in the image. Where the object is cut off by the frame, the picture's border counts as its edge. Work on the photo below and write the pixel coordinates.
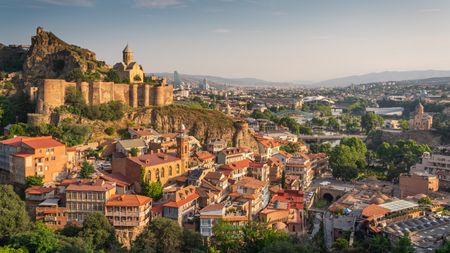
(285, 211)
(39, 193)
(267, 148)
(51, 213)
(125, 146)
(43, 156)
(128, 211)
(300, 165)
(233, 213)
(204, 159)
(260, 171)
(230, 155)
(418, 183)
(252, 190)
(236, 170)
(435, 164)
(276, 169)
(214, 188)
(319, 163)
(145, 134)
(88, 196)
(216, 145)
(182, 205)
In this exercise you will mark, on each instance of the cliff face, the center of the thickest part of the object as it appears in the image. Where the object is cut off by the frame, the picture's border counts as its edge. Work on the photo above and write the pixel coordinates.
(204, 124)
(51, 57)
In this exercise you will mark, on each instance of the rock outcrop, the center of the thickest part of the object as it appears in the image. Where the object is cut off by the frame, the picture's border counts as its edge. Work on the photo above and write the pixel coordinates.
(51, 57)
(12, 58)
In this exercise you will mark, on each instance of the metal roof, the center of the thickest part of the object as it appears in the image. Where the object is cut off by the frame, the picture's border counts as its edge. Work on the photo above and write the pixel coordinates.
(399, 205)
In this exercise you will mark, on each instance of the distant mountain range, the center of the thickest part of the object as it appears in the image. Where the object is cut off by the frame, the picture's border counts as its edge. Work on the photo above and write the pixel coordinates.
(336, 82)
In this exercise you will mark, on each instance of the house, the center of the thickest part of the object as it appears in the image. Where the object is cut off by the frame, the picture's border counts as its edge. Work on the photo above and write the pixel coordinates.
(300, 165)
(283, 156)
(233, 213)
(51, 213)
(230, 155)
(276, 169)
(418, 183)
(236, 170)
(267, 148)
(204, 159)
(23, 156)
(145, 134)
(285, 211)
(319, 163)
(123, 184)
(39, 193)
(253, 190)
(182, 205)
(129, 214)
(214, 188)
(87, 196)
(125, 146)
(216, 145)
(260, 171)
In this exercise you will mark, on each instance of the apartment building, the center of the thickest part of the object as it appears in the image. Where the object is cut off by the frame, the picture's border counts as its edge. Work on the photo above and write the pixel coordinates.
(216, 145)
(51, 213)
(234, 213)
(300, 165)
(182, 205)
(435, 164)
(230, 155)
(236, 170)
(23, 156)
(254, 190)
(418, 183)
(127, 211)
(260, 171)
(87, 196)
(268, 148)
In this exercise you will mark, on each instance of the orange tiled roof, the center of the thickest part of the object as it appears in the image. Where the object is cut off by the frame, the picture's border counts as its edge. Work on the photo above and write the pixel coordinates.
(237, 165)
(95, 186)
(179, 203)
(213, 207)
(250, 182)
(154, 159)
(38, 190)
(204, 155)
(374, 210)
(33, 142)
(128, 200)
(268, 143)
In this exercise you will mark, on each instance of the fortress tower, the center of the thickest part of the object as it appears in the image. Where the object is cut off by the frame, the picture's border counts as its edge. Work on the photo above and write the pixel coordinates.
(127, 55)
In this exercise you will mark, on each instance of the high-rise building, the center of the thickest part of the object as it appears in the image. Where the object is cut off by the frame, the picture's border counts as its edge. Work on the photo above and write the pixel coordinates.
(176, 80)
(204, 85)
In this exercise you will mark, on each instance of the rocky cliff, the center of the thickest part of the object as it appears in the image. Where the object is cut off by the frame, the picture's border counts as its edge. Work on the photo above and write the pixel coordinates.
(12, 58)
(204, 124)
(51, 57)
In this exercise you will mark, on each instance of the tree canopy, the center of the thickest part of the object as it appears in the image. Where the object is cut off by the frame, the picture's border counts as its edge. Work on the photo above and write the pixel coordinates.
(14, 218)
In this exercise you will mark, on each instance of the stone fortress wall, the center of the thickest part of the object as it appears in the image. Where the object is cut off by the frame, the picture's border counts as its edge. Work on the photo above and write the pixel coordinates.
(51, 94)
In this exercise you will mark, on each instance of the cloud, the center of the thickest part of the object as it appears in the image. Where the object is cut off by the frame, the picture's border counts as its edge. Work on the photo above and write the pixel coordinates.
(429, 10)
(157, 3)
(80, 3)
(221, 30)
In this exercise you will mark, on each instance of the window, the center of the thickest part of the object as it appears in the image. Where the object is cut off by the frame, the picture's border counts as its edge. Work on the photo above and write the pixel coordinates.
(178, 168)
(162, 172)
(170, 171)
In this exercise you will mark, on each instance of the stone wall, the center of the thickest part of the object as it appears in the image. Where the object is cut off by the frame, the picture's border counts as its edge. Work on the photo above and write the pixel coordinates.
(51, 94)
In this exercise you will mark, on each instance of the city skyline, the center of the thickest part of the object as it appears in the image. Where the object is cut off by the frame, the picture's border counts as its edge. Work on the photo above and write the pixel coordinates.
(271, 40)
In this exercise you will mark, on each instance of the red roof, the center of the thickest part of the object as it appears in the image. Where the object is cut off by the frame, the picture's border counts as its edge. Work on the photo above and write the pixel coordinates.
(204, 155)
(95, 186)
(128, 200)
(117, 178)
(179, 203)
(34, 142)
(268, 143)
(154, 159)
(237, 165)
(38, 190)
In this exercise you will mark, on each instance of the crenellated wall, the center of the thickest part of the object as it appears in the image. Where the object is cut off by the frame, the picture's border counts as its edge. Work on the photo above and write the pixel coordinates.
(51, 94)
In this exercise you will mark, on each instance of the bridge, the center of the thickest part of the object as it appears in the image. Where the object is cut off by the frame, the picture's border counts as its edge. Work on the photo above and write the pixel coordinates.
(320, 138)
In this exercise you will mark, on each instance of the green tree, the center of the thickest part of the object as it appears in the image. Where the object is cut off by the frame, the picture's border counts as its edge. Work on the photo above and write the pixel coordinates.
(150, 189)
(39, 240)
(283, 179)
(378, 244)
(445, 248)
(317, 121)
(192, 242)
(333, 124)
(425, 201)
(404, 125)
(370, 121)
(340, 244)
(134, 151)
(256, 236)
(34, 181)
(112, 76)
(109, 131)
(74, 245)
(162, 235)
(87, 170)
(19, 129)
(98, 232)
(290, 147)
(11, 249)
(228, 237)
(403, 245)
(14, 217)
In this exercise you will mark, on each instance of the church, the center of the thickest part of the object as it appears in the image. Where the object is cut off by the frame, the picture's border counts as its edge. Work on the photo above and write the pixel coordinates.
(420, 120)
(128, 69)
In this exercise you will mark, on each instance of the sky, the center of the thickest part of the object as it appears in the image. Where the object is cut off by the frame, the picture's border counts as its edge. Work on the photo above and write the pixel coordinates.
(276, 40)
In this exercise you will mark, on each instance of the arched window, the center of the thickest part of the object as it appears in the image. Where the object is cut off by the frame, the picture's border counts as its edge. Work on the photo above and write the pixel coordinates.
(157, 173)
(149, 175)
(162, 172)
(170, 171)
(185, 149)
(178, 168)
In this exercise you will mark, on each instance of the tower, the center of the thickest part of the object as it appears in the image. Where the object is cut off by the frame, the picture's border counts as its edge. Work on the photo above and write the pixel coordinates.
(176, 80)
(183, 151)
(127, 55)
(420, 110)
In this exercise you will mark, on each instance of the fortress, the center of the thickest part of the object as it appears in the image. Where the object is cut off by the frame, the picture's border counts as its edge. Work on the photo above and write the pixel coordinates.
(51, 93)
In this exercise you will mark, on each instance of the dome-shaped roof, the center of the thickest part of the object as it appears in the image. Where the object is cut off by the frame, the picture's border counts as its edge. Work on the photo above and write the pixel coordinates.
(384, 197)
(377, 201)
(280, 226)
(127, 49)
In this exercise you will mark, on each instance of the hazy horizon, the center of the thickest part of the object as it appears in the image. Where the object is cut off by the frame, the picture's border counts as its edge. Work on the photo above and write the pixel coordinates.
(272, 40)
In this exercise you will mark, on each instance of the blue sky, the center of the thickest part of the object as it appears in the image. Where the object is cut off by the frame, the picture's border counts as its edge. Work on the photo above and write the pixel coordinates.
(276, 40)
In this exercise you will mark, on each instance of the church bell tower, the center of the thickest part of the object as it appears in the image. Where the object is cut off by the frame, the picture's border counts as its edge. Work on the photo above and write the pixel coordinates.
(127, 55)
